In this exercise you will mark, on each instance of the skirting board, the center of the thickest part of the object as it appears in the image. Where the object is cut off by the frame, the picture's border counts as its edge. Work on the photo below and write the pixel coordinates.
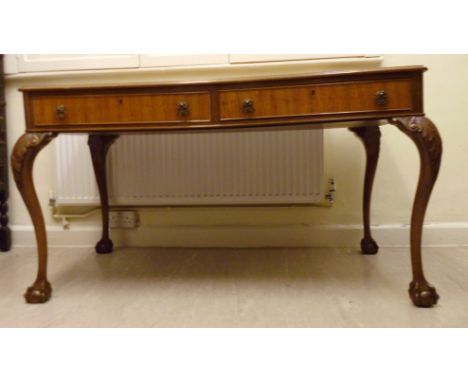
(436, 234)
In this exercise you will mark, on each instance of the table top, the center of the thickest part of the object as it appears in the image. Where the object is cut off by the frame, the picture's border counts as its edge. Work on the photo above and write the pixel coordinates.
(321, 75)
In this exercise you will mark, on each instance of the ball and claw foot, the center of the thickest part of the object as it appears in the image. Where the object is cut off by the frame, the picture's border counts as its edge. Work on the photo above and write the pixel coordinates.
(369, 246)
(104, 246)
(38, 293)
(423, 295)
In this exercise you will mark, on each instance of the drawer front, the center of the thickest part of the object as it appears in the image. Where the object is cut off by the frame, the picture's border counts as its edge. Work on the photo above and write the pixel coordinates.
(51, 110)
(309, 100)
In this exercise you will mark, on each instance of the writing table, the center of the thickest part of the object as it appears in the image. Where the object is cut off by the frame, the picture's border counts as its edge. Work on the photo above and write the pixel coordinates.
(359, 100)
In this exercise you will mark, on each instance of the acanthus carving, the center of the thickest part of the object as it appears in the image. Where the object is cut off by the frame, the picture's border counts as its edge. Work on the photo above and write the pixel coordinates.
(25, 150)
(426, 136)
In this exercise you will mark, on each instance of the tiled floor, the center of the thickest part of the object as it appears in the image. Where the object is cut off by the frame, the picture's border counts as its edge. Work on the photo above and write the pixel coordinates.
(153, 287)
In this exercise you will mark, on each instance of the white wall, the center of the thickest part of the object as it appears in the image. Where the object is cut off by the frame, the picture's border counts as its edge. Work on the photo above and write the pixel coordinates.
(446, 101)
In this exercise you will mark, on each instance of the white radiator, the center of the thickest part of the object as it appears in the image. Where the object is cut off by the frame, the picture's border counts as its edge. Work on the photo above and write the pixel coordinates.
(197, 168)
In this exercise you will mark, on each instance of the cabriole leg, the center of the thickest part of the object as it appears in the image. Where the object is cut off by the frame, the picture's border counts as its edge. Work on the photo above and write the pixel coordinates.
(99, 145)
(370, 137)
(22, 160)
(427, 139)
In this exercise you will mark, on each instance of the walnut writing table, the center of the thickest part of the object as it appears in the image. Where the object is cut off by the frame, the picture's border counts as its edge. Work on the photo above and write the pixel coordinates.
(359, 100)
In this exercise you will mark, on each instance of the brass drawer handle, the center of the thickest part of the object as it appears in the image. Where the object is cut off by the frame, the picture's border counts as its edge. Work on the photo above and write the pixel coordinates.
(60, 112)
(183, 109)
(381, 98)
(248, 106)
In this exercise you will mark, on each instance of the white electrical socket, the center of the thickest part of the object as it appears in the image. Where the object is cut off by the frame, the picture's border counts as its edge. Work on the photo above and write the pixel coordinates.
(114, 219)
(123, 219)
(128, 219)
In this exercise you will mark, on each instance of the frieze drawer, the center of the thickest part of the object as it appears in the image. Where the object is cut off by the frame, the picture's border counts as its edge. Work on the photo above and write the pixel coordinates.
(55, 110)
(320, 99)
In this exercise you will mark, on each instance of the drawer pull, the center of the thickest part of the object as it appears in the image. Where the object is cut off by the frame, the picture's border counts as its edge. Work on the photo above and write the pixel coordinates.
(60, 112)
(248, 106)
(381, 98)
(183, 109)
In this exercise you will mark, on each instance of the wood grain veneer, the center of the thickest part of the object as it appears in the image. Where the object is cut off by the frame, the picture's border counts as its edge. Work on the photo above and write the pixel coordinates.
(309, 100)
(120, 108)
